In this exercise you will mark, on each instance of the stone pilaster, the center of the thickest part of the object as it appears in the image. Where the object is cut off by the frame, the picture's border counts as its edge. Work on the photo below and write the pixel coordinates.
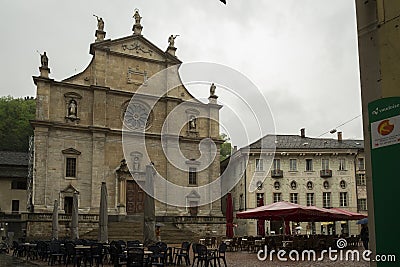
(40, 170)
(99, 106)
(98, 167)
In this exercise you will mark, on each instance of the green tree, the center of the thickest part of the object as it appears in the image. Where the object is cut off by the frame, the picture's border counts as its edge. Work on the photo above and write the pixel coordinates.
(226, 147)
(15, 129)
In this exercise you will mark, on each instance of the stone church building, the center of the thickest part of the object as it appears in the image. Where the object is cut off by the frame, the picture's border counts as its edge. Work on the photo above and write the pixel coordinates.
(78, 132)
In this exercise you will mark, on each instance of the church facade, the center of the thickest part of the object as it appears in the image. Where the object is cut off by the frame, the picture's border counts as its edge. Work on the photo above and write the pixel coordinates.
(78, 131)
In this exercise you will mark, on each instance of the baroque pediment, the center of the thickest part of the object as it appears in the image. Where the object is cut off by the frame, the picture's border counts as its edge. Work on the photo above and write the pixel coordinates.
(193, 195)
(138, 46)
(71, 151)
(69, 190)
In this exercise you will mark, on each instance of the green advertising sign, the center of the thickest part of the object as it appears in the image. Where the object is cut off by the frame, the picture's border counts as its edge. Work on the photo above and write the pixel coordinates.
(384, 126)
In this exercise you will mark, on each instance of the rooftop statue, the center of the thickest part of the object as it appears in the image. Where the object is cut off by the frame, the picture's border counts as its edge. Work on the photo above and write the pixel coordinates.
(100, 23)
(44, 60)
(137, 16)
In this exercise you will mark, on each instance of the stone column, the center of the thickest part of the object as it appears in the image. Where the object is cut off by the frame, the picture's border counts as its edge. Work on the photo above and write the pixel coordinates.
(122, 195)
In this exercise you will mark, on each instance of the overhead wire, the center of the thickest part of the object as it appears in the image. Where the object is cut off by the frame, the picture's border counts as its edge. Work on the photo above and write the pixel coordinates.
(333, 130)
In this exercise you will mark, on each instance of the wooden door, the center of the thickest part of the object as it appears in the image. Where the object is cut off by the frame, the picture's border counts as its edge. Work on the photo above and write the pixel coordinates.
(134, 198)
(68, 202)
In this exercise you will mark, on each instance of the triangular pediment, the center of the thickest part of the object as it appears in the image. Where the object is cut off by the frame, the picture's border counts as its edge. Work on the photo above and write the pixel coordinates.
(69, 190)
(138, 46)
(193, 194)
(71, 151)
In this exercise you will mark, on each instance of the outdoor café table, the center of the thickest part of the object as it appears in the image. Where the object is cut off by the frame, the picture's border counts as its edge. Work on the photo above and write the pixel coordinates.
(258, 244)
(287, 243)
(29, 249)
(227, 241)
(85, 250)
(147, 255)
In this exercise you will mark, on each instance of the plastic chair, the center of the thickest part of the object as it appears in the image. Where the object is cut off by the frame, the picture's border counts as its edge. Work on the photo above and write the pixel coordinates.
(182, 253)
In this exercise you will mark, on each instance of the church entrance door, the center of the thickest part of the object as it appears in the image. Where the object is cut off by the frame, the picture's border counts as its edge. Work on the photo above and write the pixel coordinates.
(134, 198)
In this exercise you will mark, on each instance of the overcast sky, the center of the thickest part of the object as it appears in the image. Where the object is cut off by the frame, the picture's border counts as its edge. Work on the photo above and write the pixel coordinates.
(302, 54)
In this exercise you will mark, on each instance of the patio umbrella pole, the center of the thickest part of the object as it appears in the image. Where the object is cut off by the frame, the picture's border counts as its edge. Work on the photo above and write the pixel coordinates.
(74, 223)
(149, 234)
(54, 226)
(103, 216)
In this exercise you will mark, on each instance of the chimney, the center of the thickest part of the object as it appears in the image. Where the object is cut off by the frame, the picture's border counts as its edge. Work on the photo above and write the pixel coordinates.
(303, 132)
(339, 136)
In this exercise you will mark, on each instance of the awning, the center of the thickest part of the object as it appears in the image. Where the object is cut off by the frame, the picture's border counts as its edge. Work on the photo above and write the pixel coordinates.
(293, 212)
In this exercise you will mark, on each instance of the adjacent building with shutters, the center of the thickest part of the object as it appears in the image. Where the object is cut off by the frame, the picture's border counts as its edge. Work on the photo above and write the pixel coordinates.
(322, 172)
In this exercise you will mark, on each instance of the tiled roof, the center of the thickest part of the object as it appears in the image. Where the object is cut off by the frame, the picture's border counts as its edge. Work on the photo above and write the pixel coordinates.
(13, 158)
(298, 142)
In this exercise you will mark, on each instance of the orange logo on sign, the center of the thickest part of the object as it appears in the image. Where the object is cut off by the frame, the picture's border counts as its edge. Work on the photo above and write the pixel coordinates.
(385, 128)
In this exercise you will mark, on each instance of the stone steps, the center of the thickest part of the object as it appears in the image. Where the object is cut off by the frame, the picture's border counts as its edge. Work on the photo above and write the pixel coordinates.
(133, 229)
(124, 230)
(173, 235)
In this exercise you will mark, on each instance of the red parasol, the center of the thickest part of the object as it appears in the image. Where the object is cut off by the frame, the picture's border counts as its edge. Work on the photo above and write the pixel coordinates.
(229, 216)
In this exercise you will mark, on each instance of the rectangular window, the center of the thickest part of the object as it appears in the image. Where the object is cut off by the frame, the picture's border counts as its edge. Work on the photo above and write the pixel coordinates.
(362, 204)
(192, 176)
(18, 185)
(294, 198)
(343, 199)
(277, 164)
(310, 199)
(361, 165)
(293, 164)
(326, 199)
(309, 166)
(325, 164)
(277, 197)
(361, 179)
(259, 165)
(70, 168)
(260, 199)
(342, 164)
(241, 202)
(15, 205)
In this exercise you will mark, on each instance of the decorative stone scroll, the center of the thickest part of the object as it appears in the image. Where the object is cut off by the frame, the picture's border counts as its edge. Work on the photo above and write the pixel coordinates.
(138, 48)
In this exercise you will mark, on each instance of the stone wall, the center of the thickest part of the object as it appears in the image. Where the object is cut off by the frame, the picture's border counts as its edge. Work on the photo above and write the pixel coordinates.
(39, 226)
(203, 226)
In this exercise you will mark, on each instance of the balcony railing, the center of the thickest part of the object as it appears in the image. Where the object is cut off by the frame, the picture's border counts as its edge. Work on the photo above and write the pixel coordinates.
(276, 173)
(325, 173)
(200, 219)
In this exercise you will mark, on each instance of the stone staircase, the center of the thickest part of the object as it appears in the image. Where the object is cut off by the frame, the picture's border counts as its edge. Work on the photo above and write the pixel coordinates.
(171, 234)
(123, 230)
(132, 229)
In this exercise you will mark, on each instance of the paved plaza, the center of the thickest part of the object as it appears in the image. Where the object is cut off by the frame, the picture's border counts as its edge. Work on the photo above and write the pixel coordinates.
(234, 259)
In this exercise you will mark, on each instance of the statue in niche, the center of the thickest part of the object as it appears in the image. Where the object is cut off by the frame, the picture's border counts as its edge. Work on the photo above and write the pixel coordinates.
(44, 60)
(137, 17)
(123, 167)
(72, 109)
(192, 123)
(136, 163)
